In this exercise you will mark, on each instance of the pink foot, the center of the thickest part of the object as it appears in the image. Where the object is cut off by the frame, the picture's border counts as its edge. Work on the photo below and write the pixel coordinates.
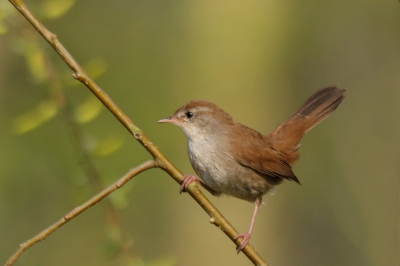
(245, 241)
(187, 180)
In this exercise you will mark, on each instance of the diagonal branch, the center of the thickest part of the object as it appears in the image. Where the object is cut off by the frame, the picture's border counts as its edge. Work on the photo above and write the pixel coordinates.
(78, 210)
(80, 74)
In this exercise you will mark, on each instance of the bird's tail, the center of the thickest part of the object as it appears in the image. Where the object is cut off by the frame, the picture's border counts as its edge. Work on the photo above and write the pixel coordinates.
(286, 137)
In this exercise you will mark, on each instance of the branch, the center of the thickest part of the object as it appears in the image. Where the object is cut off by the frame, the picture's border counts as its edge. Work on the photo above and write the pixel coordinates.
(78, 210)
(113, 219)
(80, 74)
(58, 96)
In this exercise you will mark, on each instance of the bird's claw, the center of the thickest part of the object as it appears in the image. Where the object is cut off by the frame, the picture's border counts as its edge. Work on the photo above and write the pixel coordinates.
(245, 241)
(187, 180)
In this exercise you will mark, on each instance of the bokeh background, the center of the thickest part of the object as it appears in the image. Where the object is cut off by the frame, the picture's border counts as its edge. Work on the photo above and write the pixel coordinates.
(258, 60)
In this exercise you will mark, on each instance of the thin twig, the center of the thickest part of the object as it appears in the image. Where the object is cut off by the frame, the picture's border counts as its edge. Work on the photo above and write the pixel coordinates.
(80, 74)
(76, 211)
(57, 94)
(113, 219)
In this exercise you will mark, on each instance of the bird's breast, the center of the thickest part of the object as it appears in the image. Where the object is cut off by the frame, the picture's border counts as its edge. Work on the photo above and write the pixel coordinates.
(214, 164)
(209, 162)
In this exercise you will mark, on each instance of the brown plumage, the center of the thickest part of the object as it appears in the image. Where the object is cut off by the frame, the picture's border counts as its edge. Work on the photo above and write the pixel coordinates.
(286, 137)
(233, 159)
(280, 148)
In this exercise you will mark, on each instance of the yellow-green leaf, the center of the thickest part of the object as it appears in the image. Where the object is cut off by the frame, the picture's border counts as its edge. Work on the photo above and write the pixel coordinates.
(120, 200)
(3, 28)
(6, 10)
(88, 110)
(35, 62)
(53, 9)
(95, 67)
(108, 146)
(32, 119)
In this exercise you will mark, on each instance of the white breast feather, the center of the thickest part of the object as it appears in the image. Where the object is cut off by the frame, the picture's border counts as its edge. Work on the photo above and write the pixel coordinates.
(203, 156)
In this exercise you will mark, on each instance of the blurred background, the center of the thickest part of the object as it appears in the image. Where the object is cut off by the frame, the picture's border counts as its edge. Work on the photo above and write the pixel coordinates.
(258, 60)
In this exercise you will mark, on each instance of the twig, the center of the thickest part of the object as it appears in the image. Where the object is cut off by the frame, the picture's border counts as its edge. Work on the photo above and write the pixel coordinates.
(80, 74)
(113, 220)
(58, 96)
(76, 211)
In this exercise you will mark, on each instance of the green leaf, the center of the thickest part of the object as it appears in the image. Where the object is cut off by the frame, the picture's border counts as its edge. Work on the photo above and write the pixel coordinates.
(3, 28)
(88, 110)
(95, 67)
(35, 61)
(120, 200)
(34, 118)
(53, 9)
(108, 146)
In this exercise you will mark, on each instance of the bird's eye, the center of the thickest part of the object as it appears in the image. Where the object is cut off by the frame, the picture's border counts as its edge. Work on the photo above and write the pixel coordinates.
(189, 114)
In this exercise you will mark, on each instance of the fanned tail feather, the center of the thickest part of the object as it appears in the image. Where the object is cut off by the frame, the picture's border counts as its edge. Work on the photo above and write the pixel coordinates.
(287, 136)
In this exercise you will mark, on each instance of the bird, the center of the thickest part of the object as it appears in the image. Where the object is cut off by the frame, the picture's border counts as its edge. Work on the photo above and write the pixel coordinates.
(235, 160)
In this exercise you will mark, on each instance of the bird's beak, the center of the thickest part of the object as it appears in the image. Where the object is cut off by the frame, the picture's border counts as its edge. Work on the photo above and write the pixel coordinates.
(171, 120)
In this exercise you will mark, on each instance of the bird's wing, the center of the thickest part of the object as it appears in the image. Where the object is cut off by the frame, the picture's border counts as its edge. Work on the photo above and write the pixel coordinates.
(253, 150)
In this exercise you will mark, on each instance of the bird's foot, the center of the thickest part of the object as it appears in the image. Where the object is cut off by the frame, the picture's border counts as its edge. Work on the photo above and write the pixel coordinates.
(245, 241)
(187, 180)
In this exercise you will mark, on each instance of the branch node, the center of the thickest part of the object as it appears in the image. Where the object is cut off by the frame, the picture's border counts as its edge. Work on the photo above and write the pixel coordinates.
(138, 136)
(70, 215)
(212, 220)
(159, 163)
(53, 37)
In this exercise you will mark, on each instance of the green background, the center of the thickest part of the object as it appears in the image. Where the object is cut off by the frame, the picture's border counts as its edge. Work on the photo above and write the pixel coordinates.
(258, 60)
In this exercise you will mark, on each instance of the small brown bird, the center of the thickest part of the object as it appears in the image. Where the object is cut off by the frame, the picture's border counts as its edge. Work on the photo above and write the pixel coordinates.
(235, 160)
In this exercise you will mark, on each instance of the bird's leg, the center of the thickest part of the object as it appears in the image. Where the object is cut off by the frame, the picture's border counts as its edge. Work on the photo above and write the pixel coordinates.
(188, 179)
(246, 237)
